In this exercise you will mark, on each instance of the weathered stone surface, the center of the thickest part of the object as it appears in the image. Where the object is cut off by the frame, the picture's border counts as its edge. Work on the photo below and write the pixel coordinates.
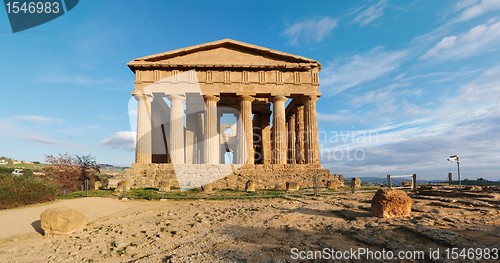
(250, 186)
(97, 185)
(113, 183)
(356, 181)
(391, 203)
(207, 188)
(164, 185)
(123, 186)
(61, 220)
(334, 184)
(232, 176)
(406, 184)
(292, 186)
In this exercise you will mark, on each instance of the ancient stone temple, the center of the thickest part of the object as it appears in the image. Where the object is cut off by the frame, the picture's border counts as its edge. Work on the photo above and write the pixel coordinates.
(226, 112)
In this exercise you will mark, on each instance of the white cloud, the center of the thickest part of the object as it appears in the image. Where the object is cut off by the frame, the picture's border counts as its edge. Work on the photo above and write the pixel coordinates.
(73, 79)
(311, 30)
(36, 119)
(358, 69)
(12, 127)
(467, 123)
(370, 14)
(339, 116)
(480, 39)
(472, 9)
(121, 140)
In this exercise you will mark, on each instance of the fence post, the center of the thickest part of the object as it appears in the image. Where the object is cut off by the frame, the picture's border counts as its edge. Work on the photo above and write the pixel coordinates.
(450, 179)
(414, 181)
(389, 183)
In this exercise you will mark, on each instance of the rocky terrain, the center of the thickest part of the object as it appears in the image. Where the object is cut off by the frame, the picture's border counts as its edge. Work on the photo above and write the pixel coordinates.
(267, 230)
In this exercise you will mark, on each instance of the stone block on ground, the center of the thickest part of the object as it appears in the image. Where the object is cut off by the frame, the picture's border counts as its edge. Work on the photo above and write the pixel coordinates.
(123, 186)
(97, 185)
(250, 186)
(112, 183)
(61, 220)
(406, 184)
(292, 186)
(390, 203)
(334, 184)
(356, 181)
(164, 185)
(207, 188)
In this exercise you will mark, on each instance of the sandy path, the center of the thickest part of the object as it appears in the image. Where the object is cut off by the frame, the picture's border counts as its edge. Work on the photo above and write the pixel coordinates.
(258, 230)
(22, 221)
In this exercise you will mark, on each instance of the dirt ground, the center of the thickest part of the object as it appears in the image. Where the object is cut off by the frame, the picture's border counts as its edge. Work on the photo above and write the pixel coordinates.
(255, 230)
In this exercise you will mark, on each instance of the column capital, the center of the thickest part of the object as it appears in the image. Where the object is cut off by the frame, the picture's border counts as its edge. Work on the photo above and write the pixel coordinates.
(246, 98)
(278, 98)
(211, 98)
(143, 96)
(312, 98)
(180, 97)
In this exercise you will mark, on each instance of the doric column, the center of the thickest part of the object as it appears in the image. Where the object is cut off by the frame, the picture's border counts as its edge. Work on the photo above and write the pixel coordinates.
(245, 131)
(211, 137)
(176, 128)
(191, 147)
(222, 144)
(279, 130)
(143, 149)
(266, 137)
(160, 117)
(257, 138)
(299, 119)
(311, 130)
(291, 139)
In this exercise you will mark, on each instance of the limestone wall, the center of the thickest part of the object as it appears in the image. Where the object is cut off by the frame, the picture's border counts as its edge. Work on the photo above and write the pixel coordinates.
(271, 176)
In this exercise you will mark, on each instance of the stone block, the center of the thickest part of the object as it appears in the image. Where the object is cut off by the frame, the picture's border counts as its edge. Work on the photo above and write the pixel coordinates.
(164, 185)
(250, 186)
(123, 186)
(390, 203)
(292, 186)
(61, 220)
(97, 185)
(207, 188)
(334, 184)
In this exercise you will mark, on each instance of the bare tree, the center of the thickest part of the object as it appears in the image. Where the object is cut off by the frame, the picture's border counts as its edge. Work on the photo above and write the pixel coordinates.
(89, 169)
(71, 172)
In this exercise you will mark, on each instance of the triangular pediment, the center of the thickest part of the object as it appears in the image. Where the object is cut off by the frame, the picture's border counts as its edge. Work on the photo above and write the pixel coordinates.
(223, 53)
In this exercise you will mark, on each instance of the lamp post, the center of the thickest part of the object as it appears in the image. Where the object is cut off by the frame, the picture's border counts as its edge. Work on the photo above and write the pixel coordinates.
(454, 158)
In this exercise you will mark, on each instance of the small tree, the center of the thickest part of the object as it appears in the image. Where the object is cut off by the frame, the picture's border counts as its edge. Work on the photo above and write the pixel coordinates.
(88, 169)
(71, 172)
(63, 172)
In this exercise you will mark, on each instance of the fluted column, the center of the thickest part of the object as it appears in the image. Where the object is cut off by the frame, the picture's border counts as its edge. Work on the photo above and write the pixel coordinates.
(291, 139)
(257, 138)
(143, 151)
(299, 119)
(176, 128)
(265, 131)
(160, 117)
(245, 131)
(311, 130)
(191, 145)
(279, 130)
(211, 137)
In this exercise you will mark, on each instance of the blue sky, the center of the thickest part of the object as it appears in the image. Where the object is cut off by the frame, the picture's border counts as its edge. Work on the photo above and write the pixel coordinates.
(405, 83)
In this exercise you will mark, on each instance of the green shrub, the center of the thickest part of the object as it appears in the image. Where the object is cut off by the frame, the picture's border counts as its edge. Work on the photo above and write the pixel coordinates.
(23, 190)
(5, 170)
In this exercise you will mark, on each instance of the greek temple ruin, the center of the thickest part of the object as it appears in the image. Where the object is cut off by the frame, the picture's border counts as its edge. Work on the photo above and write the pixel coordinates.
(225, 112)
